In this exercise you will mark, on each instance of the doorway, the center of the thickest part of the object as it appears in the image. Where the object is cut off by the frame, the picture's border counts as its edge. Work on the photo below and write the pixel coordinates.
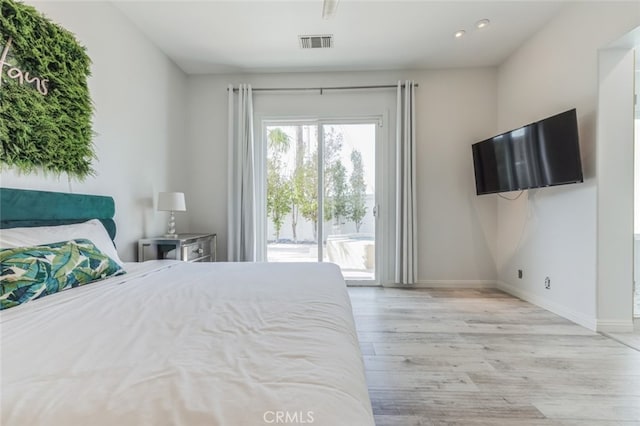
(321, 201)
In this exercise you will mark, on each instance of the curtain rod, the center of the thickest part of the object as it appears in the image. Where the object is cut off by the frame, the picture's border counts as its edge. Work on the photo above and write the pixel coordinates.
(321, 89)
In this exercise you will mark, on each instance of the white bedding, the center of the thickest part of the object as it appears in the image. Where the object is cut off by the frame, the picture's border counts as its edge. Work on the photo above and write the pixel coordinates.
(172, 343)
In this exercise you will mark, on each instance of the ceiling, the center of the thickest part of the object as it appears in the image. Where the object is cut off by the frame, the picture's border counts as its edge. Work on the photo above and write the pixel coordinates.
(262, 36)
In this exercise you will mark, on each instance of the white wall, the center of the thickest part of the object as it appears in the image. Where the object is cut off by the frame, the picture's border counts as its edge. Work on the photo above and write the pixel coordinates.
(139, 97)
(455, 108)
(552, 231)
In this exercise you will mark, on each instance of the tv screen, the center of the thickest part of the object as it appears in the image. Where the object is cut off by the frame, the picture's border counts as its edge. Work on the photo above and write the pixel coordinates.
(544, 153)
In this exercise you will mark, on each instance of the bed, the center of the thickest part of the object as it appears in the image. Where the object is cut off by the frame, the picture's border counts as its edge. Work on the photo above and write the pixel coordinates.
(173, 343)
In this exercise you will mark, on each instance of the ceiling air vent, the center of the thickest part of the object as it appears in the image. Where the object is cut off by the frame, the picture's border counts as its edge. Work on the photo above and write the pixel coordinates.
(316, 41)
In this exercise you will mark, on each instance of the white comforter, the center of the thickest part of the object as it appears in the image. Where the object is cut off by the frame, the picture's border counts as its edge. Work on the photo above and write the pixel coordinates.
(172, 343)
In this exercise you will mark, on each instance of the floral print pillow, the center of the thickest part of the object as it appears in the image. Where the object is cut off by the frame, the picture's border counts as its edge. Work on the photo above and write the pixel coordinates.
(28, 273)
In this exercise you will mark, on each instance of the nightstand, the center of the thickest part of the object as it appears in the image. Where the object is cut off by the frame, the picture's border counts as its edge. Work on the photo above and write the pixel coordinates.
(185, 247)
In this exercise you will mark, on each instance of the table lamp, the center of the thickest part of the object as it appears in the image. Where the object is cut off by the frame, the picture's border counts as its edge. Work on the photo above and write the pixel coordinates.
(171, 202)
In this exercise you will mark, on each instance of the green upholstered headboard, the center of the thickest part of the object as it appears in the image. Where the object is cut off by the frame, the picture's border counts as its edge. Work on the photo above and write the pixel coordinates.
(28, 208)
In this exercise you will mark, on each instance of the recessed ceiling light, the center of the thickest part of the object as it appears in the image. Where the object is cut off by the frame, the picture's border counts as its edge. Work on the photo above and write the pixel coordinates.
(329, 8)
(483, 23)
(459, 34)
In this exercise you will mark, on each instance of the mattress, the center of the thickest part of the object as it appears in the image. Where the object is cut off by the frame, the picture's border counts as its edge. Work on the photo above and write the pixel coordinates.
(173, 343)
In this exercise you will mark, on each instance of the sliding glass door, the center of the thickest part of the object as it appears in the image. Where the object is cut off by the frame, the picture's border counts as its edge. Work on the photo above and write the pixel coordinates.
(292, 193)
(320, 195)
(349, 198)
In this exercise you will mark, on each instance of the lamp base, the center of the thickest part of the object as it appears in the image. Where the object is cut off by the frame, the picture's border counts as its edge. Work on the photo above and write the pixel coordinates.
(171, 228)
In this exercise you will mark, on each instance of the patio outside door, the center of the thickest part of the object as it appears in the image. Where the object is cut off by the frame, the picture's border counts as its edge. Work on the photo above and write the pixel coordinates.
(320, 195)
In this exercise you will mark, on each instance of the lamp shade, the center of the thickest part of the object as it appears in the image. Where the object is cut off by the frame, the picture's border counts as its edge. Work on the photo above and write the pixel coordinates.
(171, 201)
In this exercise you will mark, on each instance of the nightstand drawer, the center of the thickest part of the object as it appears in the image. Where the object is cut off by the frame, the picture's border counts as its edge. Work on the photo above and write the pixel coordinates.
(198, 251)
(185, 247)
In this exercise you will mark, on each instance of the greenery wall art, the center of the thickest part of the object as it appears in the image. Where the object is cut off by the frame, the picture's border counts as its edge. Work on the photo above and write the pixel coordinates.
(45, 106)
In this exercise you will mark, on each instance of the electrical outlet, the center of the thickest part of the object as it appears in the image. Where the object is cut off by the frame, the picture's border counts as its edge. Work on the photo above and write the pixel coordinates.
(547, 283)
(520, 273)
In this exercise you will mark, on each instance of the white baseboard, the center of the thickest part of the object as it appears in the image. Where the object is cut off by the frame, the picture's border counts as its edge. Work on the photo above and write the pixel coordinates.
(563, 311)
(615, 326)
(454, 284)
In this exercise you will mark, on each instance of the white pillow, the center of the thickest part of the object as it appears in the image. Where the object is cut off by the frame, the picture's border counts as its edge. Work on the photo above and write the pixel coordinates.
(91, 230)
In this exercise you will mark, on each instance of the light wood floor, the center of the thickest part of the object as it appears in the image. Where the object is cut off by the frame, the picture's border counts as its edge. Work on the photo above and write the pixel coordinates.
(481, 357)
(630, 339)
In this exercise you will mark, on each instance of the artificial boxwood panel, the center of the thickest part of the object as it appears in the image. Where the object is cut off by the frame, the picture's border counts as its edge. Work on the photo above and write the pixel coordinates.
(45, 107)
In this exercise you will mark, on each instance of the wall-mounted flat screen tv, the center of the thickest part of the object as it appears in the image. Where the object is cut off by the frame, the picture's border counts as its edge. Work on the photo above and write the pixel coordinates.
(540, 154)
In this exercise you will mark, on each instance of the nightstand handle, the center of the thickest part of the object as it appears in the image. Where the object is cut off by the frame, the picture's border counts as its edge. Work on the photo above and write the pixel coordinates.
(199, 251)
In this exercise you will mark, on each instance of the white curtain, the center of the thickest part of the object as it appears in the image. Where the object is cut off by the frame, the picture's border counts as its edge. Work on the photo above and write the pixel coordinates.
(241, 244)
(406, 242)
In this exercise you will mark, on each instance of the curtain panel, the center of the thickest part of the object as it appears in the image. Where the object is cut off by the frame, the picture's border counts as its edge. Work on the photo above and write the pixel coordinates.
(406, 242)
(241, 244)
